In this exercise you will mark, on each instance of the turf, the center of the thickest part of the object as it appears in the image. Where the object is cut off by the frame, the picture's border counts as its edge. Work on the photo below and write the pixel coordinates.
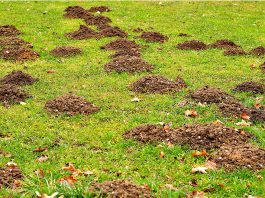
(95, 142)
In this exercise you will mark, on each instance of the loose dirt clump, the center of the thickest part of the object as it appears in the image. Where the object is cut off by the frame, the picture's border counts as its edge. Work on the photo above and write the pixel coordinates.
(121, 189)
(250, 86)
(129, 64)
(121, 44)
(84, 32)
(10, 176)
(262, 67)
(65, 51)
(138, 30)
(154, 37)
(70, 104)
(96, 20)
(99, 9)
(212, 95)
(127, 52)
(9, 30)
(240, 156)
(258, 51)
(157, 84)
(14, 42)
(184, 35)
(10, 94)
(113, 31)
(196, 136)
(18, 54)
(192, 45)
(18, 78)
(223, 44)
(234, 51)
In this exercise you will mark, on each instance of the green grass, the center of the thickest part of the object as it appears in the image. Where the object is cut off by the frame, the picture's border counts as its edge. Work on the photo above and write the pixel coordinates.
(95, 142)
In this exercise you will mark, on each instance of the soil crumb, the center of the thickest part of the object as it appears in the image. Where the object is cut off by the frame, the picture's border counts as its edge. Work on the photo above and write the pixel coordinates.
(70, 104)
(10, 176)
(154, 37)
(223, 44)
(121, 44)
(18, 54)
(250, 86)
(84, 32)
(18, 78)
(240, 156)
(10, 94)
(99, 9)
(192, 45)
(196, 136)
(9, 30)
(138, 30)
(234, 51)
(113, 31)
(258, 51)
(65, 51)
(129, 64)
(14, 42)
(74, 12)
(157, 84)
(121, 189)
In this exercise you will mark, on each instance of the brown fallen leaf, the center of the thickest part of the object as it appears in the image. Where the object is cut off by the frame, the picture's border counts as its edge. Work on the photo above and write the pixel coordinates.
(208, 189)
(40, 173)
(218, 122)
(38, 150)
(162, 154)
(171, 187)
(51, 71)
(257, 105)
(75, 172)
(42, 158)
(87, 173)
(193, 182)
(199, 153)
(196, 194)
(199, 169)
(45, 195)
(244, 116)
(244, 123)
(191, 113)
(68, 181)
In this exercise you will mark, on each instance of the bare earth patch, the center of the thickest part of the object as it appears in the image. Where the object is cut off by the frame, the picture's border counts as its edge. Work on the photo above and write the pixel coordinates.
(234, 51)
(258, 51)
(113, 31)
(84, 32)
(154, 37)
(14, 42)
(70, 104)
(18, 54)
(10, 176)
(157, 84)
(9, 30)
(74, 12)
(192, 45)
(18, 78)
(250, 86)
(65, 51)
(223, 44)
(99, 9)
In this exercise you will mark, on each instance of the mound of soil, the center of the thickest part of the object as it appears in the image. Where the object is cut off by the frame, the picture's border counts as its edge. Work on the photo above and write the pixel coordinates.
(65, 51)
(9, 30)
(14, 42)
(84, 32)
(154, 37)
(250, 87)
(196, 136)
(127, 52)
(113, 31)
(192, 45)
(71, 105)
(74, 12)
(9, 176)
(157, 84)
(18, 78)
(234, 51)
(223, 44)
(18, 54)
(121, 189)
(258, 51)
(240, 156)
(129, 64)
(262, 67)
(99, 9)
(10, 94)
(212, 95)
(96, 20)
(121, 44)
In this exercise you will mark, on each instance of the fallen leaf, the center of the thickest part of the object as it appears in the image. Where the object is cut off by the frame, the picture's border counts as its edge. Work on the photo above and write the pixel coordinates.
(166, 128)
(191, 113)
(243, 123)
(257, 105)
(37, 150)
(68, 181)
(51, 71)
(87, 173)
(193, 182)
(209, 189)
(221, 185)
(40, 173)
(196, 194)
(162, 154)
(72, 169)
(45, 195)
(135, 99)
(199, 169)
(244, 116)
(218, 122)
(210, 165)
(42, 158)
(170, 145)
(171, 187)
(199, 153)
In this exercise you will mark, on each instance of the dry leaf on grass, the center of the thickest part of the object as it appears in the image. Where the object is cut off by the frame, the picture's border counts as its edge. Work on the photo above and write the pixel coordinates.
(38, 150)
(171, 187)
(42, 158)
(40, 173)
(191, 113)
(45, 195)
(244, 116)
(243, 123)
(199, 153)
(68, 181)
(199, 169)
(196, 194)
(75, 172)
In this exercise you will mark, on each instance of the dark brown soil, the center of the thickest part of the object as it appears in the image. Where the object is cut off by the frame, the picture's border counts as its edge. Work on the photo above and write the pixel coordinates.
(138, 30)
(18, 54)
(99, 9)
(129, 64)
(120, 189)
(192, 45)
(65, 51)
(157, 84)
(74, 12)
(126, 52)
(184, 35)
(96, 20)
(154, 37)
(262, 67)
(10, 94)
(258, 51)
(84, 32)
(212, 95)
(113, 31)
(240, 156)
(14, 42)
(9, 176)
(223, 44)
(18, 78)
(196, 136)
(250, 86)
(9, 30)
(121, 44)
(71, 105)
(234, 51)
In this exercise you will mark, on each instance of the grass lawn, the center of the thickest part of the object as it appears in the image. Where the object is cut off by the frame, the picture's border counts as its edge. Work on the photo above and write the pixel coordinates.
(95, 142)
